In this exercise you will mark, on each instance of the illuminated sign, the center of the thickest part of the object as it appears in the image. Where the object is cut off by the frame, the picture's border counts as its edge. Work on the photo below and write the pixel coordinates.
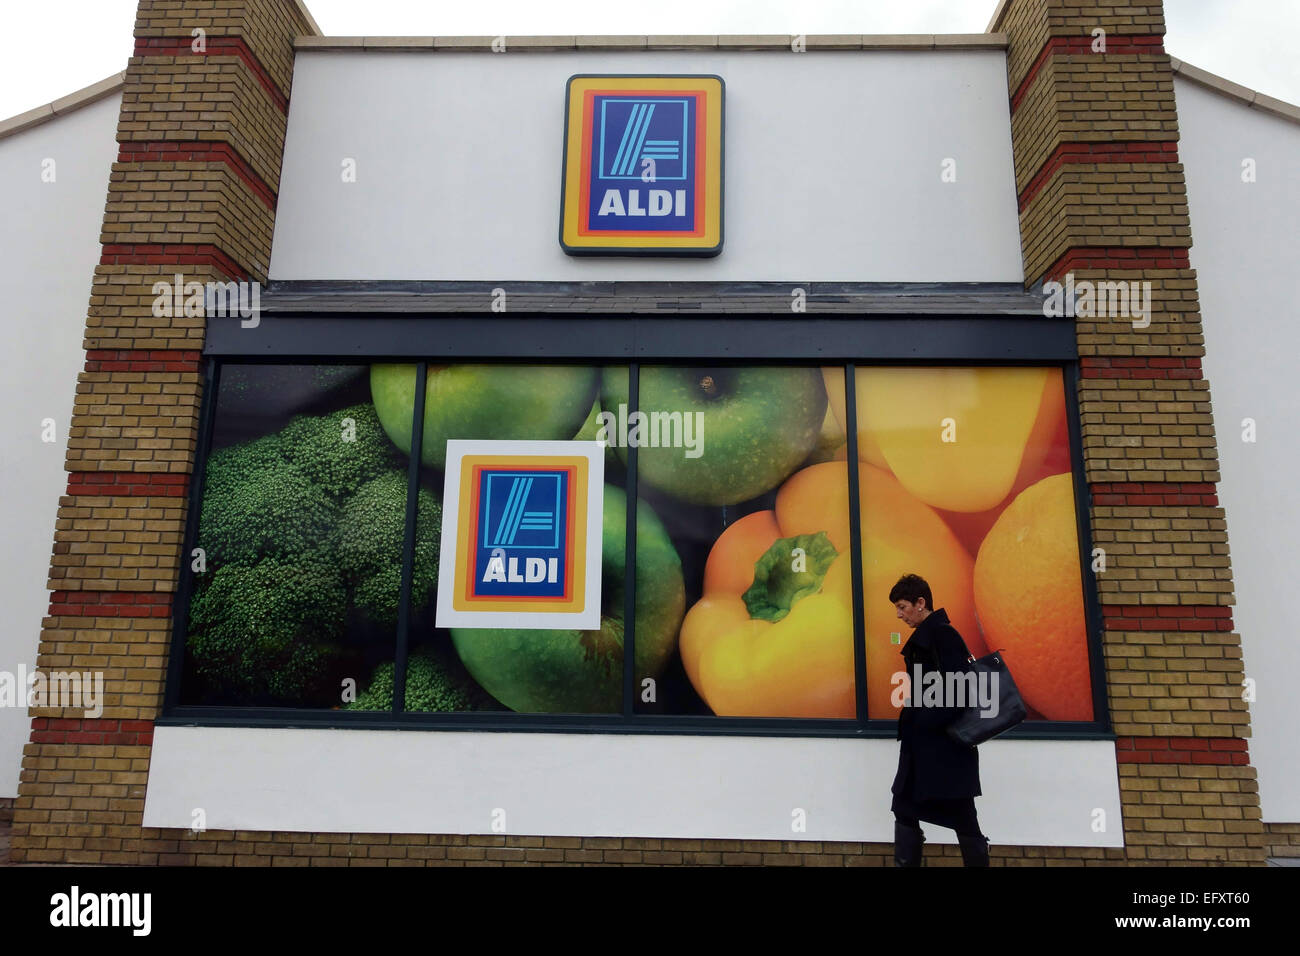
(642, 166)
(521, 534)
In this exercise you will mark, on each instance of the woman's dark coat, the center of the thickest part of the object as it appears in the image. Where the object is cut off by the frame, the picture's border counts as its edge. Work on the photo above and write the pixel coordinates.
(941, 767)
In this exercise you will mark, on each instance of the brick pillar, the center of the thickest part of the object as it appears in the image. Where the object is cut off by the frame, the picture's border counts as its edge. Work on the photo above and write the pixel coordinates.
(201, 134)
(1102, 197)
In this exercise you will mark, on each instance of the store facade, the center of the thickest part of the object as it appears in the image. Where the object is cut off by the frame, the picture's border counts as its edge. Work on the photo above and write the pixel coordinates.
(532, 351)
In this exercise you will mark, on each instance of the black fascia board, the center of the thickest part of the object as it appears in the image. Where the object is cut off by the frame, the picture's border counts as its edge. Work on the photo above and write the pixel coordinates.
(559, 336)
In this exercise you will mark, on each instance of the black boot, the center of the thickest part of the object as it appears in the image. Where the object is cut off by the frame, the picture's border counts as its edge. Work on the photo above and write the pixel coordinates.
(907, 845)
(974, 850)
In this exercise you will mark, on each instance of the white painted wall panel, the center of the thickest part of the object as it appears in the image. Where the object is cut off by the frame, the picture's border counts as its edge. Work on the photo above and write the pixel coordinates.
(1246, 247)
(49, 245)
(1037, 792)
(833, 165)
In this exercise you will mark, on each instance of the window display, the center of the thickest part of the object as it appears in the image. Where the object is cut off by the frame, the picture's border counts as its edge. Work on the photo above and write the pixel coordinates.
(743, 600)
(297, 567)
(964, 478)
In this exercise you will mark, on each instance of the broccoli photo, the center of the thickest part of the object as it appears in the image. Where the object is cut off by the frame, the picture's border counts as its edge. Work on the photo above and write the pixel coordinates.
(301, 528)
(256, 507)
(370, 545)
(436, 681)
(338, 452)
(268, 631)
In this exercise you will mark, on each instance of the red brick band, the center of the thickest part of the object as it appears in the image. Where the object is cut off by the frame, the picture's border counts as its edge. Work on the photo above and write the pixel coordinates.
(1116, 45)
(1118, 257)
(1086, 154)
(143, 360)
(144, 484)
(199, 152)
(91, 730)
(1153, 366)
(1155, 493)
(1186, 750)
(110, 604)
(172, 254)
(1167, 617)
(215, 46)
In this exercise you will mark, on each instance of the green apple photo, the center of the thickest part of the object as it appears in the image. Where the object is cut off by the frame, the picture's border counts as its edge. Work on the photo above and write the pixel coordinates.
(538, 402)
(581, 672)
(758, 425)
(591, 430)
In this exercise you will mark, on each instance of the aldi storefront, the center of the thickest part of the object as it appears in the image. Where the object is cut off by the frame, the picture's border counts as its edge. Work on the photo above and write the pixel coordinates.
(500, 548)
(657, 554)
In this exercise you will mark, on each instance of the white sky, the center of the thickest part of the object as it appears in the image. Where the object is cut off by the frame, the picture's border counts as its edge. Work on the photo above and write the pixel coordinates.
(50, 49)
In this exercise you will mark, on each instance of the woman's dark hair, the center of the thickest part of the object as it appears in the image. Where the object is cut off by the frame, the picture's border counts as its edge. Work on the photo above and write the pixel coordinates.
(909, 588)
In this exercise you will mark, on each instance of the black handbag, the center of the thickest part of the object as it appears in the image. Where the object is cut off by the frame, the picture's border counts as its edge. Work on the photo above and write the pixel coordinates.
(971, 727)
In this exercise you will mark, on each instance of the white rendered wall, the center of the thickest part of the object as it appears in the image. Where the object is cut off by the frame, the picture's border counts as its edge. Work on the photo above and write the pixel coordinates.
(832, 161)
(1036, 792)
(49, 245)
(1246, 251)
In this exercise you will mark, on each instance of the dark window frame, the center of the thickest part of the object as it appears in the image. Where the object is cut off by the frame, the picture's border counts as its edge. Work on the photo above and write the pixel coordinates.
(845, 339)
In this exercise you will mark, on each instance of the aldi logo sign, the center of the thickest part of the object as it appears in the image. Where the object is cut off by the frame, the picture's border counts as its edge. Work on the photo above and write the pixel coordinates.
(521, 543)
(642, 166)
(521, 535)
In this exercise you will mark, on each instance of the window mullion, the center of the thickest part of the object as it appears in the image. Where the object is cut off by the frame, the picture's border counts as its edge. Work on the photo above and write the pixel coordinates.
(855, 542)
(408, 541)
(629, 559)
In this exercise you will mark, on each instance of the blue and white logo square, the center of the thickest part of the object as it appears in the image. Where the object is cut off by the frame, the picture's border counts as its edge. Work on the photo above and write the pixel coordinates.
(644, 139)
(521, 534)
(522, 539)
(643, 169)
(642, 165)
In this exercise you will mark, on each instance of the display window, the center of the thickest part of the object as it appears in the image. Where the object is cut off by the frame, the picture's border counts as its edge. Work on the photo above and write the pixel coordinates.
(752, 520)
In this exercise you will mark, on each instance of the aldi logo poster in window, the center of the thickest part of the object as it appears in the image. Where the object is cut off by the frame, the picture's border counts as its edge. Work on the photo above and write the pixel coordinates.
(642, 166)
(521, 530)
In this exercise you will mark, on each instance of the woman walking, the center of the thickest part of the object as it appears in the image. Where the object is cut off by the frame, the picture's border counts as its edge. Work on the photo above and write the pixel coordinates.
(938, 778)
